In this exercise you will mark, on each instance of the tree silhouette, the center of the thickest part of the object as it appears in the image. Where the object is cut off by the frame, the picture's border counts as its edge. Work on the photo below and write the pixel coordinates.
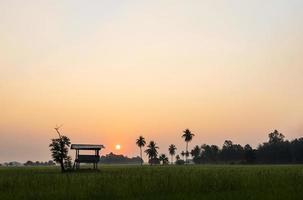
(249, 154)
(163, 158)
(210, 153)
(152, 152)
(297, 150)
(59, 149)
(182, 154)
(141, 143)
(188, 136)
(179, 161)
(276, 150)
(112, 158)
(232, 152)
(172, 151)
(275, 137)
(195, 153)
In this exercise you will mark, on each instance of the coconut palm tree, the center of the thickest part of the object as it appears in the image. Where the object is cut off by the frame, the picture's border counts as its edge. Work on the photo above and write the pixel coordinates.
(141, 143)
(182, 154)
(152, 151)
(163, 158)
(172, 151)
(188, 136)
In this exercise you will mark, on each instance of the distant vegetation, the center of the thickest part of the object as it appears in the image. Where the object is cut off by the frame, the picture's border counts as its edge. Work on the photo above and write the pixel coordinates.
(119, 159)
(37, 163)
(276, 150)
(28, 163)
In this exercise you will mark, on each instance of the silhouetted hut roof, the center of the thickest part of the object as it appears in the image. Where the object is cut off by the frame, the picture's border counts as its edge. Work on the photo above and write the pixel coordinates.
(87, 146)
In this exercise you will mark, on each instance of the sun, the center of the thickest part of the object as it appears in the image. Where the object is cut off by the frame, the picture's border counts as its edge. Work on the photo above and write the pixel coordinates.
(118, 146)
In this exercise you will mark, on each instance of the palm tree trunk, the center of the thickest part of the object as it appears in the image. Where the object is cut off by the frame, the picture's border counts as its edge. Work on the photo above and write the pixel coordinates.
(172, 161)
(141, 156)
(186, 152)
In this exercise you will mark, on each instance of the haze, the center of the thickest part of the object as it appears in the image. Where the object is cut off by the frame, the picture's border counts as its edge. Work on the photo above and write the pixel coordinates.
(113, 70)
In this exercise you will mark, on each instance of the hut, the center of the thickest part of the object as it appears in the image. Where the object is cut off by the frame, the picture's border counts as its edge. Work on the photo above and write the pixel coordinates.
(87, 158)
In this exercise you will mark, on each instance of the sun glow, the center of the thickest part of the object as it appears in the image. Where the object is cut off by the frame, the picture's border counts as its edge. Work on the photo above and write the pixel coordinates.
(118, 146)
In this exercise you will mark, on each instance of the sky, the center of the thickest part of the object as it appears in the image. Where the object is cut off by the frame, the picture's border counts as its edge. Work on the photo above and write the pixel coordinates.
(110, 71)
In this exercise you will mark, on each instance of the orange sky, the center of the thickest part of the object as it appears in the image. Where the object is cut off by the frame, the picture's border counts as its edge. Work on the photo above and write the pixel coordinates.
(110, 71)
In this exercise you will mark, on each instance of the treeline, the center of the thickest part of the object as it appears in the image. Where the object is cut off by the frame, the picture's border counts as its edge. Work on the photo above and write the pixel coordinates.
(276, 150)
(38, 163)
(28, 163)
(119, 159)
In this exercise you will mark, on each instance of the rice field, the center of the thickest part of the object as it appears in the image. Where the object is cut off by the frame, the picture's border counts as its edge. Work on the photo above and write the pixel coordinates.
(154, 182)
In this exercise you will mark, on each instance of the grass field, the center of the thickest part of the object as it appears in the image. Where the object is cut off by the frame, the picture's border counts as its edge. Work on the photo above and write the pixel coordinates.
(156, 182)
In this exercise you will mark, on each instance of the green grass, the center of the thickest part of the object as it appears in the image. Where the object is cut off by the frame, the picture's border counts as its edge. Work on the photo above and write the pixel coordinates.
(156, 182)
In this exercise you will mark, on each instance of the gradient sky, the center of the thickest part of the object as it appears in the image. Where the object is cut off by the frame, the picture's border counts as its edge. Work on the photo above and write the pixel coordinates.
(112, 70)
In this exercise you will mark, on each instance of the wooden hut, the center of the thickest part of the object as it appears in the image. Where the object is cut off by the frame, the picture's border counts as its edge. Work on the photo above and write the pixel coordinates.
(85, 158)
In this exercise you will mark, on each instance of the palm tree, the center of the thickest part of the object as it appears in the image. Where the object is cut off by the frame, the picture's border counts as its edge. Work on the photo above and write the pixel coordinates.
(182, 154)
(163, 158)
(177, 157)
(172, 151)
(152, 151)
(141, 143)
(188, 136)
